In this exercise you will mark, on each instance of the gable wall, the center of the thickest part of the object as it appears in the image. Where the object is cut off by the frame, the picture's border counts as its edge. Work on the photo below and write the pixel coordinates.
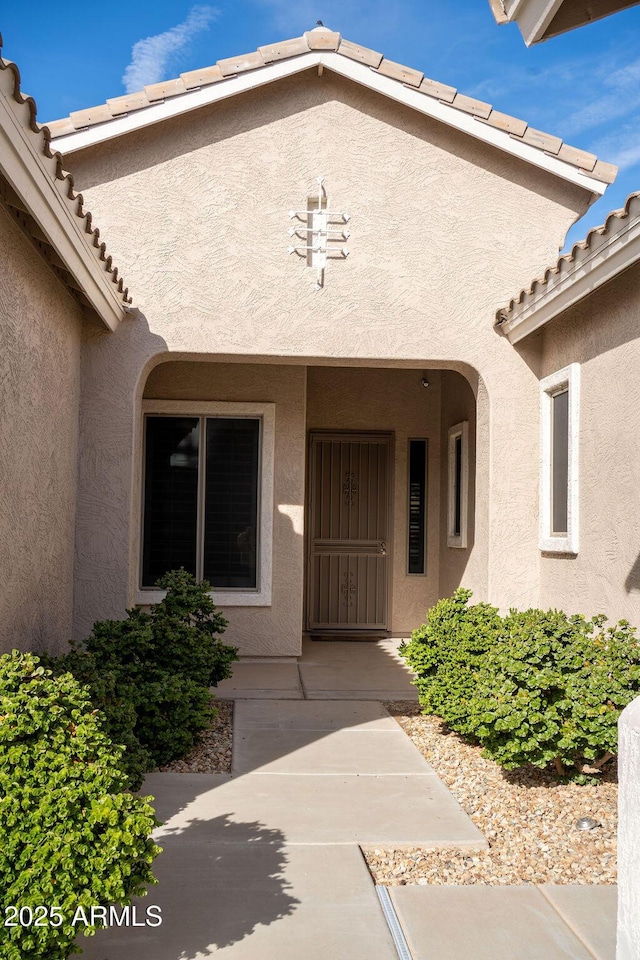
(602, 334)
(443, 229)
(40, 348)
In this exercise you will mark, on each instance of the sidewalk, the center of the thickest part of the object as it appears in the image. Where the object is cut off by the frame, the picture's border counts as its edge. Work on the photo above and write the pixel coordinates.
(266, 863)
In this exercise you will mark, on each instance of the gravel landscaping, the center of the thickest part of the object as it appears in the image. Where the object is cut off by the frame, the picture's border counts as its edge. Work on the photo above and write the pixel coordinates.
(527, 817)
(213, 753)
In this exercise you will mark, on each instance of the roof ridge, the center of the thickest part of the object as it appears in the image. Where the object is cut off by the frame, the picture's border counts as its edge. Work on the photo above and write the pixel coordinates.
(330, 41)
(45, 135)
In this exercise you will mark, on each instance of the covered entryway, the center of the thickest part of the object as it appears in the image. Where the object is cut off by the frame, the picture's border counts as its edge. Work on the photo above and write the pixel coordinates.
(349, 507)
(353, 483)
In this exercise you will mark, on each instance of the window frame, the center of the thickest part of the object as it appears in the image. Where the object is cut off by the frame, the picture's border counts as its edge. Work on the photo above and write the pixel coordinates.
(259, 596)
(459, 430)
(566, 379)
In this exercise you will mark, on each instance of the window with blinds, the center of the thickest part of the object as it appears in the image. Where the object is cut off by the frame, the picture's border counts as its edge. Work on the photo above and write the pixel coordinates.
(417, 506)
(201, 499)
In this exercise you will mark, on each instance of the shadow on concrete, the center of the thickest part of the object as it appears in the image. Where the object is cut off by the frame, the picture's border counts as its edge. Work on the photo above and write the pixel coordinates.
(217, 881)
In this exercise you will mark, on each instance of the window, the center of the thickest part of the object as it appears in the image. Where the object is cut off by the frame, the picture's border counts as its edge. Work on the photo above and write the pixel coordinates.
(207, 497)
(458, 485)
(417, 516)
(559, 416)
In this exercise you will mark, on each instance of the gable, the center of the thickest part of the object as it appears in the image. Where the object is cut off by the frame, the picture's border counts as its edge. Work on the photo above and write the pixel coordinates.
(323, 50)
(198, 208)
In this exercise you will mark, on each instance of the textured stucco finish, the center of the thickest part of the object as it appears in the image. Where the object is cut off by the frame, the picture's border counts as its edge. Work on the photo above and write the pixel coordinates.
(197, 209)
(602, 334)
(39, 395)
(628, 947)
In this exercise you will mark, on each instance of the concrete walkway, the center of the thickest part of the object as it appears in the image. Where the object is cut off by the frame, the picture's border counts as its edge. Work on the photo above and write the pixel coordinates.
(266, 863)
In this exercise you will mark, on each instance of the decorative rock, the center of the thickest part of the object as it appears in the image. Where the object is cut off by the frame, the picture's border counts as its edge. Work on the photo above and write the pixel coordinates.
(527, 816)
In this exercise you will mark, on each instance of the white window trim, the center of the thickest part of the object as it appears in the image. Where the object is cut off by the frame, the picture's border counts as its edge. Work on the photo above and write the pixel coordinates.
(266, 412)
(569, 378)
(454, 540)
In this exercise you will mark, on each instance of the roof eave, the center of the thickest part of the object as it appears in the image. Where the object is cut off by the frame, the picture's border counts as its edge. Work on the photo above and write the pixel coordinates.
(587, 273)
(26, 170)
(532, 16)
(350, 69)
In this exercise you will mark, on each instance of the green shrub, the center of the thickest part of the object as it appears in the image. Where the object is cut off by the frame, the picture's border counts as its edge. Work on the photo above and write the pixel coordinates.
(172, 712)
(553, 688)
(448, 651)
(180, 635)
(150, 673)
(534, 687)
(70, 836)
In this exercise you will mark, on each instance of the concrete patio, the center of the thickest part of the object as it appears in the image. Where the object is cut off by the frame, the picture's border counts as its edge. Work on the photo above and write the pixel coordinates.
(267, 862)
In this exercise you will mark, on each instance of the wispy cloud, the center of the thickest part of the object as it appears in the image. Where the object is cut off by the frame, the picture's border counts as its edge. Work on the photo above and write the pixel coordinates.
(151, 56)
(622, 146)
(619, 95)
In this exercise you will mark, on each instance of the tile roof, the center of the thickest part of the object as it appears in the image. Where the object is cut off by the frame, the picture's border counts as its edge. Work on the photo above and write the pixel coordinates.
(73, 200)
(569, 264)
(322, 39)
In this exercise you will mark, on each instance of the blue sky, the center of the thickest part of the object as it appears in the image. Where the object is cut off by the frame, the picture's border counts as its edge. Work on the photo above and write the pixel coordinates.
(584, 86)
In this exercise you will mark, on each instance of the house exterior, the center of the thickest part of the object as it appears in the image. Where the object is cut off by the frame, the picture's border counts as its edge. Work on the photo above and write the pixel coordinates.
(323, 398)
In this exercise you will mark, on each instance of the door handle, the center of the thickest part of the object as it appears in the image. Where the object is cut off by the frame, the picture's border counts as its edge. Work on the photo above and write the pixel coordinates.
(383, 548)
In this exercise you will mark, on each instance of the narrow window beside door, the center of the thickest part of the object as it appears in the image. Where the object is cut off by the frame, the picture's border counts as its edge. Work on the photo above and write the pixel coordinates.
(458, 485)
(417, 506)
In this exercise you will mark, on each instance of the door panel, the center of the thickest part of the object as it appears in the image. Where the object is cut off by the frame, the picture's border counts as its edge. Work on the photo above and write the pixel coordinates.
(349, 533)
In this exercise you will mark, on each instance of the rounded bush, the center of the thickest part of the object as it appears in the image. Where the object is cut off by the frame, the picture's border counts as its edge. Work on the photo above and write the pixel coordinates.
(70, 836)
(553, 688)
(150, 673)
(535, 687)
(447, 654)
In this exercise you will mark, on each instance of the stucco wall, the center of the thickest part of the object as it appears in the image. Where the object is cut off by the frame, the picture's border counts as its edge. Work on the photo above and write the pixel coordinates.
(393, 401)
(39, 395)
(443, 230)
(457, 566)
(602, 334)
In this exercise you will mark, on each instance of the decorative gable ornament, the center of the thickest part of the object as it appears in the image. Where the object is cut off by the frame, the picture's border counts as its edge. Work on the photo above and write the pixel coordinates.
(322, 231)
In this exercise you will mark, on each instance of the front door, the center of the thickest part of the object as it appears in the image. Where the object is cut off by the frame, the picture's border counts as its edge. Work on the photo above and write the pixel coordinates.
(348, 534)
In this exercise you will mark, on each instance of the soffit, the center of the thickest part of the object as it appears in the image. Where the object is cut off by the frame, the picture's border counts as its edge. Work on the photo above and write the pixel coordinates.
(325, 48)
(540, 20)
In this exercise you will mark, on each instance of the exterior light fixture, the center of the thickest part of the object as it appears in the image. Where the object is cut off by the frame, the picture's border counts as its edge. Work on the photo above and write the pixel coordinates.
(587, 823)
(322, 232)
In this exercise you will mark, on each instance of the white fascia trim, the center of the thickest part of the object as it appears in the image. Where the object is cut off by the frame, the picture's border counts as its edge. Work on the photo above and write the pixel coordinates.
(567, 377)
(352, 70)
(618, 252)
(533, 17)
(30, 176)
(267, 413)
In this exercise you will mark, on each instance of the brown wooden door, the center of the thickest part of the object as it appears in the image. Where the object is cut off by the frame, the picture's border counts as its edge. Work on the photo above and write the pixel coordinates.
(348, 533)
